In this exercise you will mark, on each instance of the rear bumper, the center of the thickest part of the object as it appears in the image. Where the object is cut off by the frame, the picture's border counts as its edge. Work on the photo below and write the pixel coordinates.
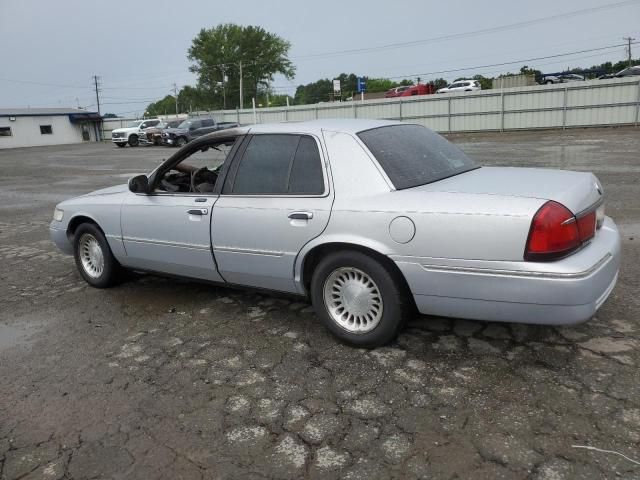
(558, 293)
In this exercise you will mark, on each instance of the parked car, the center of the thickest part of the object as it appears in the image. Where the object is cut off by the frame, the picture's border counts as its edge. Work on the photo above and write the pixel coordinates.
(461, 86)
(419, 89)
(561, 78)
(193, 128)
(396, 92)
(132, 132)
(370, 219)
(153, 135)
(627, 72)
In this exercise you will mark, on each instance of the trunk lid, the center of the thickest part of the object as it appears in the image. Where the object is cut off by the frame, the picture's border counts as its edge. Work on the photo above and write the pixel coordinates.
(575, 190)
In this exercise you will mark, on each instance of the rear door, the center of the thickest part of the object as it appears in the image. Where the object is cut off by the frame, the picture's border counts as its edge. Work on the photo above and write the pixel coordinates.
(208, 126)
(275, 199)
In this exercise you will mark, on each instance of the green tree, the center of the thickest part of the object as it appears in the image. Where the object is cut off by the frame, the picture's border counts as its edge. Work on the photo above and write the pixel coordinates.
(439, 83)
(485, 83)
(166, 106)
(219, 52)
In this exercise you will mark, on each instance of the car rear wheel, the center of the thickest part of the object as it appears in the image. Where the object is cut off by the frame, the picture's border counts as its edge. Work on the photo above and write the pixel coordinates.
(548, 82)
(360, 300)
(121, 145)
(94, 259)
(133, 140)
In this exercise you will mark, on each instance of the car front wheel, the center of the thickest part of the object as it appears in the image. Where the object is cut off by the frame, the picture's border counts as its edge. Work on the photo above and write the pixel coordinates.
(360, 300)
(121, 144)
(133, 140)
(181, 142)
(94, 259)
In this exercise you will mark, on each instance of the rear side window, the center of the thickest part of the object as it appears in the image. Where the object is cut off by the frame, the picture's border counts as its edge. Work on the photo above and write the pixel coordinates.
(280, 165)
(306, 173)
(207, 122)
(413, 155)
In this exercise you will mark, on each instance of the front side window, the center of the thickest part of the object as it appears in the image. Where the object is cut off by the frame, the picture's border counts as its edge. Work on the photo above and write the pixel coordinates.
(5, 131)
(46, 130)
(134, 124)
(207, 122)
(413, 155)
(280, 165)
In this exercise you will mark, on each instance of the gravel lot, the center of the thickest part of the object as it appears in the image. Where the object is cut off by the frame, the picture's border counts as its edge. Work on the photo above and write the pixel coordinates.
(170, 379)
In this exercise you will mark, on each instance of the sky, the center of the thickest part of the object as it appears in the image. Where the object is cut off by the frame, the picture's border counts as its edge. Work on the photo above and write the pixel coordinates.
(52, 49)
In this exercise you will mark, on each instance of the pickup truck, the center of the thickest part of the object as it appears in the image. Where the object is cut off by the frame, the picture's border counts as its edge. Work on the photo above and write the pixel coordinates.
(193, 128)
(132, 132)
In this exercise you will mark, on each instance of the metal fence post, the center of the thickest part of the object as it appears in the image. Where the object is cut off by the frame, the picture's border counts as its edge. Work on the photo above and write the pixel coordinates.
(449, 114)
(564, 109)
(238, 115)
(502, 110)
(355, 109)
(637, 105)
(400, 109)
(316, 109)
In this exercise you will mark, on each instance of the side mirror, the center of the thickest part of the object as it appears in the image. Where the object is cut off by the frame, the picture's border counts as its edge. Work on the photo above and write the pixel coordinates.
(139, 184)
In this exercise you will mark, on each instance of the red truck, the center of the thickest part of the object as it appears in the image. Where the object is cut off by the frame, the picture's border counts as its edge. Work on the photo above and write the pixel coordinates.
(409, 91)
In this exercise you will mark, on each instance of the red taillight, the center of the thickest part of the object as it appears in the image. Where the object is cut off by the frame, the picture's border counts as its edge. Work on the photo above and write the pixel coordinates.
(587, 225)
(554, 233)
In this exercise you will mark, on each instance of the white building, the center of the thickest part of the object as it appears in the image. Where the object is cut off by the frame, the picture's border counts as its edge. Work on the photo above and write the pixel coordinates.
(30, 127)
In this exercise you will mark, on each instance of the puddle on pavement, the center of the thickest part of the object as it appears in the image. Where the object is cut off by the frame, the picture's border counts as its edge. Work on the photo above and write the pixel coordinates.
(13, 336)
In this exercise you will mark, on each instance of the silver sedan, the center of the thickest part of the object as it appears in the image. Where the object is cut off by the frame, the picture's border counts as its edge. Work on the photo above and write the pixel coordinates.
(372, 220)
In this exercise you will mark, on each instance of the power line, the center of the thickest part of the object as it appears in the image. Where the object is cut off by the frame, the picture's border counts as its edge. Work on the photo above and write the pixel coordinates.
(473, 33)
(512, 62)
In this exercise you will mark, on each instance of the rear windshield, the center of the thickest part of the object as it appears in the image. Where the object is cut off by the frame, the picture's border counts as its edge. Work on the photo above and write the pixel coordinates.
(413, 155)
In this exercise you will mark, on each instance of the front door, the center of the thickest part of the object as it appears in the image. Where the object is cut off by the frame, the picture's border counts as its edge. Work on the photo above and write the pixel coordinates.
(169, 230)
(276, 199)
(169, 233)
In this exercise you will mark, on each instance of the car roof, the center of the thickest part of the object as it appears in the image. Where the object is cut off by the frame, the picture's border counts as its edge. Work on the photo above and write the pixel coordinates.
(317, 126)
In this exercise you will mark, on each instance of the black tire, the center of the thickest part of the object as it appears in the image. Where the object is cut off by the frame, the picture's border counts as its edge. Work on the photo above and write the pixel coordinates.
(180, 142)
(121, 145)
(549, 82)
(395, 300)
(133, 140)
(111, 272)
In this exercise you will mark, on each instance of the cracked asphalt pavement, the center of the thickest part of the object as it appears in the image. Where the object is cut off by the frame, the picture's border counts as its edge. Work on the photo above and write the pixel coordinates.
(166, 379)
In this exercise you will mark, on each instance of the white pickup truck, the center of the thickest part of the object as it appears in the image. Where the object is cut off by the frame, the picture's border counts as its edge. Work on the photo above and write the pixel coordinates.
(132, 132)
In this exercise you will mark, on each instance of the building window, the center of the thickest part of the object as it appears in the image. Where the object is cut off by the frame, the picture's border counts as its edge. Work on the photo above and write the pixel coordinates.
(46, 129)
(5, 131)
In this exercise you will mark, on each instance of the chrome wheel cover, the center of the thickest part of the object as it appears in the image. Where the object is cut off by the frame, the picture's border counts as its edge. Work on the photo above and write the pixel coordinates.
(353, 300)
(91, 255)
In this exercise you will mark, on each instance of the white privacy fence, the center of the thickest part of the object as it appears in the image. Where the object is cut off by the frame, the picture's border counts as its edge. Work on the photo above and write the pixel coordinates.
(574, 104)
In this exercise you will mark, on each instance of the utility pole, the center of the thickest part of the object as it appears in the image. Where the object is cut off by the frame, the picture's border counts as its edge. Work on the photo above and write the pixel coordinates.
(267, 91)
(629, 39)
(175, 94)
(95, 82)
(224, 95)
(241, 95)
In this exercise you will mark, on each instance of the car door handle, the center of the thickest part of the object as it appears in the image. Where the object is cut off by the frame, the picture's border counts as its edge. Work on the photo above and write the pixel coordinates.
(198, 211)
(301, 215)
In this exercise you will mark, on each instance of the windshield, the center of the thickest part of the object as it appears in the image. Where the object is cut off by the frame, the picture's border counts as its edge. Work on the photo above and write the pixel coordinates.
(413, 155)
(185, 124)
(134, 124)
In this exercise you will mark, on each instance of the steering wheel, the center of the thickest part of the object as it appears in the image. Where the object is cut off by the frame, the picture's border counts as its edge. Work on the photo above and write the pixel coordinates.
(194, 177)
